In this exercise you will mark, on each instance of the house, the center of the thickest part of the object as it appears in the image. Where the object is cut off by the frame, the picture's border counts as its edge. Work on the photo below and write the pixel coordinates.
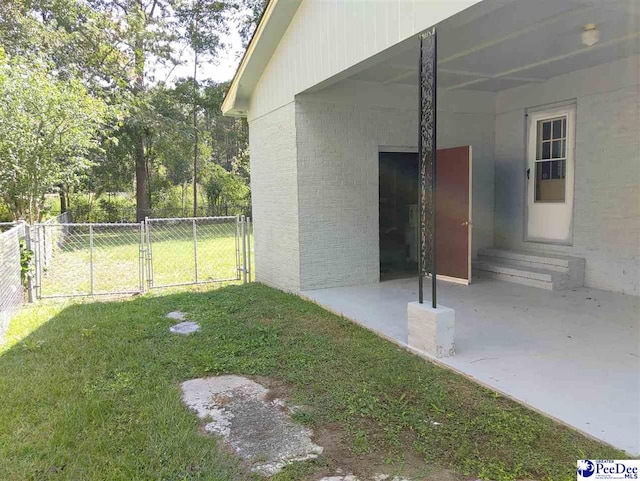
(538, 181)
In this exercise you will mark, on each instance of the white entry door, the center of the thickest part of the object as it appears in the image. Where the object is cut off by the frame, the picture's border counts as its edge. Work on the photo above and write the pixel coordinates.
(550, 171)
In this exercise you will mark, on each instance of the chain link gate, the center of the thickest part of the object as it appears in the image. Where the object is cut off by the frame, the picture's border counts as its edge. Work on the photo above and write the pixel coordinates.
(197, 250)
(127, 258)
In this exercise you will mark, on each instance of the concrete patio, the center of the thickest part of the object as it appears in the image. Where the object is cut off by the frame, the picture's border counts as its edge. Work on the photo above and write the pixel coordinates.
(574, 354)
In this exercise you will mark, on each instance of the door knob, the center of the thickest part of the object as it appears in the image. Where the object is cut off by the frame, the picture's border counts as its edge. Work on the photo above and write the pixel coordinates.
(528, 173)
(465, 223)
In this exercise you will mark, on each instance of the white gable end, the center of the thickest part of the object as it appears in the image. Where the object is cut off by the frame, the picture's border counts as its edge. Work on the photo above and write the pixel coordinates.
(326, 37)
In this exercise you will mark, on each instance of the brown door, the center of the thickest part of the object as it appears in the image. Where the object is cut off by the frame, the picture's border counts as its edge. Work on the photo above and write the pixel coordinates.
(453, 213)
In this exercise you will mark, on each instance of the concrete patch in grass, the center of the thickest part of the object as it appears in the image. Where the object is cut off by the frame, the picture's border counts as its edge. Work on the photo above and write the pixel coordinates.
(185, 328)
(258, 428)
(351, 477)
(177, 315)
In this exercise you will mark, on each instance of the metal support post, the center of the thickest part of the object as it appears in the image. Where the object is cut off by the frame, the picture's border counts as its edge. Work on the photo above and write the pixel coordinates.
(195, 250)
(91, 255)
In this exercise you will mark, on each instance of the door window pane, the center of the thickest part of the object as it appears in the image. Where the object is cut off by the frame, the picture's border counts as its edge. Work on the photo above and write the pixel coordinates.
(546, 150)
(550, 181)
(551, 139)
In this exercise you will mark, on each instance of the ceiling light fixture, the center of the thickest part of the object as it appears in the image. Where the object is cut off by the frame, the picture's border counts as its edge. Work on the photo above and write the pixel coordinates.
(590, 35)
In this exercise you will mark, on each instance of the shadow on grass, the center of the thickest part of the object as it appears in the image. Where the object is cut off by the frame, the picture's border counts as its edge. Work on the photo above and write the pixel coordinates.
(93, 394)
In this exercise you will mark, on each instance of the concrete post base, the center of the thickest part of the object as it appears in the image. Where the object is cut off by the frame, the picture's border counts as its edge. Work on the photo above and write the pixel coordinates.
(431, 330)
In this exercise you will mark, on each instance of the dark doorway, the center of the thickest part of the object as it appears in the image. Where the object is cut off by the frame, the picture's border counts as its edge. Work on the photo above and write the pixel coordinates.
(398, 188)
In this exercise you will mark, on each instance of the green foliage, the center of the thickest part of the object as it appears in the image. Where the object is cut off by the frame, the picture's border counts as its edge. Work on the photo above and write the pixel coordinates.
(249, 20)
(224, 187)
(109, 207)
(48, 127)
(113, 206)
(5, 212)
(98, 57)
(26, 255)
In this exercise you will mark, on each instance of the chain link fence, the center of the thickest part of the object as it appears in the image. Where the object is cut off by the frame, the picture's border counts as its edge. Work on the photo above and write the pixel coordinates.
(88, 259)
(5, 226)
(12, 294)
(75, 259)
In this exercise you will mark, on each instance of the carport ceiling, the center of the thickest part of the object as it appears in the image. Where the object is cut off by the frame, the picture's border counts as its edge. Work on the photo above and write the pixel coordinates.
(521, 42)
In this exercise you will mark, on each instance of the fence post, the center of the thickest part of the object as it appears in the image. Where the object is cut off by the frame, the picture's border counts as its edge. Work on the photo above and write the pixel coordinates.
(238, 247)
(28, 246)
(91, 255)
(249, 248)
(244, 249)
(147, 225)
(38, 263)
(195, 250)
(44, 246)
(141, 259)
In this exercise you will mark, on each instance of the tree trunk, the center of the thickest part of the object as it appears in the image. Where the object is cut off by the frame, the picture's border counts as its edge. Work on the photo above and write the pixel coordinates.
(63, 199)
(142, 200)
(183, 187)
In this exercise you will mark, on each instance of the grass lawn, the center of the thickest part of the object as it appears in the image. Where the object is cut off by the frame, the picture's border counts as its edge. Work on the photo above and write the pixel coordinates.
(89, 391)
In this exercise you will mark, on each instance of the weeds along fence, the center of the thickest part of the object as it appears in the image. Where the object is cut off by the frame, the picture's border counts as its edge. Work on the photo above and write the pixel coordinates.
(84, 259)
(12, 294)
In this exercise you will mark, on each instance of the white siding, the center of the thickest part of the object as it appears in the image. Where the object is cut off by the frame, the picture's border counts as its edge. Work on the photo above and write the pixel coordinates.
(274, 192)
(607, 173)
(326, 37)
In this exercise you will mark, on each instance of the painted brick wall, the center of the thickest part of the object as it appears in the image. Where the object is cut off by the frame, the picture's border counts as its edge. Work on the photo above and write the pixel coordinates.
(338, 145)
(338, 188)
(315, 176)
(607, 174)
(274, 193)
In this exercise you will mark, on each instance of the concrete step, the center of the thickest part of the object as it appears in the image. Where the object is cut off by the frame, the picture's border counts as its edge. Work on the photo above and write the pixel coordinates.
(540, 260)
(541, 278)
(535, 269)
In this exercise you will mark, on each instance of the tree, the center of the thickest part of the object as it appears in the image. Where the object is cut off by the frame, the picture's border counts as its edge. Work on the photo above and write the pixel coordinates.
(168, 134)
(79, 40)
(48, 128)
(252, 12)
(203, 22)
(173, 147)
(223, 187)
(146, 34)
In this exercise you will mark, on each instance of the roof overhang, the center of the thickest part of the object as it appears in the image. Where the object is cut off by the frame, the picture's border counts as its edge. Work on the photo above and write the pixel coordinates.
(269, 32)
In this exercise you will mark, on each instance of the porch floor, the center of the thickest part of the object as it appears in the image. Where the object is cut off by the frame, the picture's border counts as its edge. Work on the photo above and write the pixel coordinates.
(574, 355)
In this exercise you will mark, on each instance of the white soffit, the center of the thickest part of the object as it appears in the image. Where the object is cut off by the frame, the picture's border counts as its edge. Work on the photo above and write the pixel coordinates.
(521, 42)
